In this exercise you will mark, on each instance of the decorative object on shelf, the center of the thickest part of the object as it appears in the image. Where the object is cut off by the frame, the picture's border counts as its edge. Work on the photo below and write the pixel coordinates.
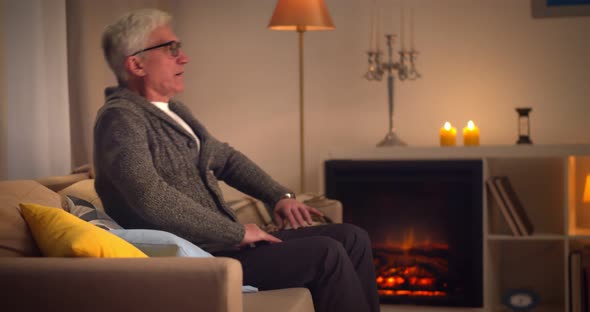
(405, 68)
(578, 264)
(471, 134)
(501, 204)
(586, 197)
(520, 299)
(448, 135)
(301, 16)
(514, 205)
(524, 125)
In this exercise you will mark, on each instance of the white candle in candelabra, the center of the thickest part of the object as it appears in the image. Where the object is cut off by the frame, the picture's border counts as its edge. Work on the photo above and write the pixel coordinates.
(412, 29)
(378, 31)
(371, 23)
(402, 37)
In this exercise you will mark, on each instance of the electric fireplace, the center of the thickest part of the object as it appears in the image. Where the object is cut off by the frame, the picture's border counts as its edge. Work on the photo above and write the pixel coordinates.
(425, 223)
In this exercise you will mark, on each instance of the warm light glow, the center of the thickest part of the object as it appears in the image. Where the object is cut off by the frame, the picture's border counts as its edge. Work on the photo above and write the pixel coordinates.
(471, 134)
(447, 126)
(408, 241)
(448, 135)
(301, 15)
(415, 293)
(411, 266)
(587, 190)
(391, 281)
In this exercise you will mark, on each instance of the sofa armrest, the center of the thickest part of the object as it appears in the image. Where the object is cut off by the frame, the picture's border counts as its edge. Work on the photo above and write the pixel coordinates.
(250, 210)
(92, 284)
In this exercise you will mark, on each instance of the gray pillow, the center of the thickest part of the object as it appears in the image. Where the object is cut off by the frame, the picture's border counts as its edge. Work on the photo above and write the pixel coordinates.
(88, 212)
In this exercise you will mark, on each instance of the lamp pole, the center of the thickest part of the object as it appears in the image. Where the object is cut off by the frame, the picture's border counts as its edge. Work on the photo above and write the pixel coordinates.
(301, 31)
(301, 16)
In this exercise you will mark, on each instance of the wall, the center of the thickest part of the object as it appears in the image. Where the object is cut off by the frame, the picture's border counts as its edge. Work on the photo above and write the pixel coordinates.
(89, 73)
(479, 60)
(3, 130)
(34, 114)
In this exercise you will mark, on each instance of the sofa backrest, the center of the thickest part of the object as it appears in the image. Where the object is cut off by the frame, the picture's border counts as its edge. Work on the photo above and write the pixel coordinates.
(15, 236)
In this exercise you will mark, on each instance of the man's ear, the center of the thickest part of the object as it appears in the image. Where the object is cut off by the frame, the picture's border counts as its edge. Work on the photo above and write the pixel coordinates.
(134, 66)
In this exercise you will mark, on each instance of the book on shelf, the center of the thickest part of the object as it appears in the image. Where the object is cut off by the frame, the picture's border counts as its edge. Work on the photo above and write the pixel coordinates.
(579, 272)
(514, 205)
(575, 281)
(586, 287)
(500, 203)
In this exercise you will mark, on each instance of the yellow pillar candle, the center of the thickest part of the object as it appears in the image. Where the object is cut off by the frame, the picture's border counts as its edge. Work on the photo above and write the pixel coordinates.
(448, 135)
(471, 134)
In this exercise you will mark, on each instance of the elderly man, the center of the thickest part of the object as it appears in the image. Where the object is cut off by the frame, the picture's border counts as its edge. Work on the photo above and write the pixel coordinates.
(157, 167)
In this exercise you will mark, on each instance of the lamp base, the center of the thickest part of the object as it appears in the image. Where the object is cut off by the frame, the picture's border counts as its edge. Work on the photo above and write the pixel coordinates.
(391, 139)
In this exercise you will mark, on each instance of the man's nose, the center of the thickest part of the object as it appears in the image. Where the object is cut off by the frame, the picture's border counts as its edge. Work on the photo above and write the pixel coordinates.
(182, 58)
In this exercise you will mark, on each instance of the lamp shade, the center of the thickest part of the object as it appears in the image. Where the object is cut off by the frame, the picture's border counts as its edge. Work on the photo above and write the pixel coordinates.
(301, 15)
(586, 198)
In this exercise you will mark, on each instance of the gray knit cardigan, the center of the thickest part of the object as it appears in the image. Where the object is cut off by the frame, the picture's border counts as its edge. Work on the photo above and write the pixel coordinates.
(151, 174)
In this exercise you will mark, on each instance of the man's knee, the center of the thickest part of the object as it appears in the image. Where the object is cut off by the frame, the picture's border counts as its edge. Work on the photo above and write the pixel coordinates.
(354, 235)
(357, 231)
(328, 248)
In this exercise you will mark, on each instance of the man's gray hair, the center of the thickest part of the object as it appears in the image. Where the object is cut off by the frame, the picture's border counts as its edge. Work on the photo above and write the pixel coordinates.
(130, 34)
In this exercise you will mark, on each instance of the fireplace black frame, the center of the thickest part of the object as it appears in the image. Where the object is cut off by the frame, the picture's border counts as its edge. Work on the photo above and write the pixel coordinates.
(341, 176)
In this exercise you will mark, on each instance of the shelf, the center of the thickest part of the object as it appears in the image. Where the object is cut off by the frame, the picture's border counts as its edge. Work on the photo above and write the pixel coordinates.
(415, 308)
(540, 308)
(534, 237)
(536, 265)
(580, 237)
(580, 232)
(549, 182)
(459, 152)
(579, 211)
(540, 187)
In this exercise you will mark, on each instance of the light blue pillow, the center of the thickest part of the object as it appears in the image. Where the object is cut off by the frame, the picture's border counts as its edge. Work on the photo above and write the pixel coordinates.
(156, 243)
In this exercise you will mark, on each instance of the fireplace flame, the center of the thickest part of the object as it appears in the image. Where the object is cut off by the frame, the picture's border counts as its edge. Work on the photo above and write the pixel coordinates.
(411, 268)
(408, 241)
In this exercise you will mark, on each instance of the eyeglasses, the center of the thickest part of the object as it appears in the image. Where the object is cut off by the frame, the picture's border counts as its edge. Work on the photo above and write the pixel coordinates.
(173, 46)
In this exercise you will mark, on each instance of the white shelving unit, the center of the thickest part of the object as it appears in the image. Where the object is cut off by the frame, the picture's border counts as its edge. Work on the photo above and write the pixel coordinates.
(549, 180)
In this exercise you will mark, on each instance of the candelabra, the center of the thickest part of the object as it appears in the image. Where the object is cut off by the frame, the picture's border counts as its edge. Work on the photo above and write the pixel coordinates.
(404, 71)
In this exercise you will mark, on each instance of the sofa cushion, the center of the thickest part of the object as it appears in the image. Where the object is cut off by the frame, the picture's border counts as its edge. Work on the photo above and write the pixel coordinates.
(60, 234)
(156, 243)
(88, 212)
(331, 208)
(289, 300)
(15, 236)
(250, 210)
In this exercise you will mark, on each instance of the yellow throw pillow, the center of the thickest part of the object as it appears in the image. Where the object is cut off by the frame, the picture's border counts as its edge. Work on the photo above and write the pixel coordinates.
(60, 234)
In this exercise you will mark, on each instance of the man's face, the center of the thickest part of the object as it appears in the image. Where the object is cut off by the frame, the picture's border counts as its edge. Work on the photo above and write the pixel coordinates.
(163, 71)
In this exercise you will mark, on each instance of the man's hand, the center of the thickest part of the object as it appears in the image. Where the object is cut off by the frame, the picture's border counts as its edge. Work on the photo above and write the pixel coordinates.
(298, 213)
(255, 234)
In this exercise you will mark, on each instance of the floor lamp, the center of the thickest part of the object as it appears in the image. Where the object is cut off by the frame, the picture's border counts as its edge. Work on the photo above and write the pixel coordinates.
(301, 16)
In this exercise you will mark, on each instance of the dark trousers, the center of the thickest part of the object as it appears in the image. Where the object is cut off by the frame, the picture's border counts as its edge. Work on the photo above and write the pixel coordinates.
(333, 261)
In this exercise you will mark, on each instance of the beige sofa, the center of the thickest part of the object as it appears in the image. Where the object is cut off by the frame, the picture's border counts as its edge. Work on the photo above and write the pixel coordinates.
(29, 282)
